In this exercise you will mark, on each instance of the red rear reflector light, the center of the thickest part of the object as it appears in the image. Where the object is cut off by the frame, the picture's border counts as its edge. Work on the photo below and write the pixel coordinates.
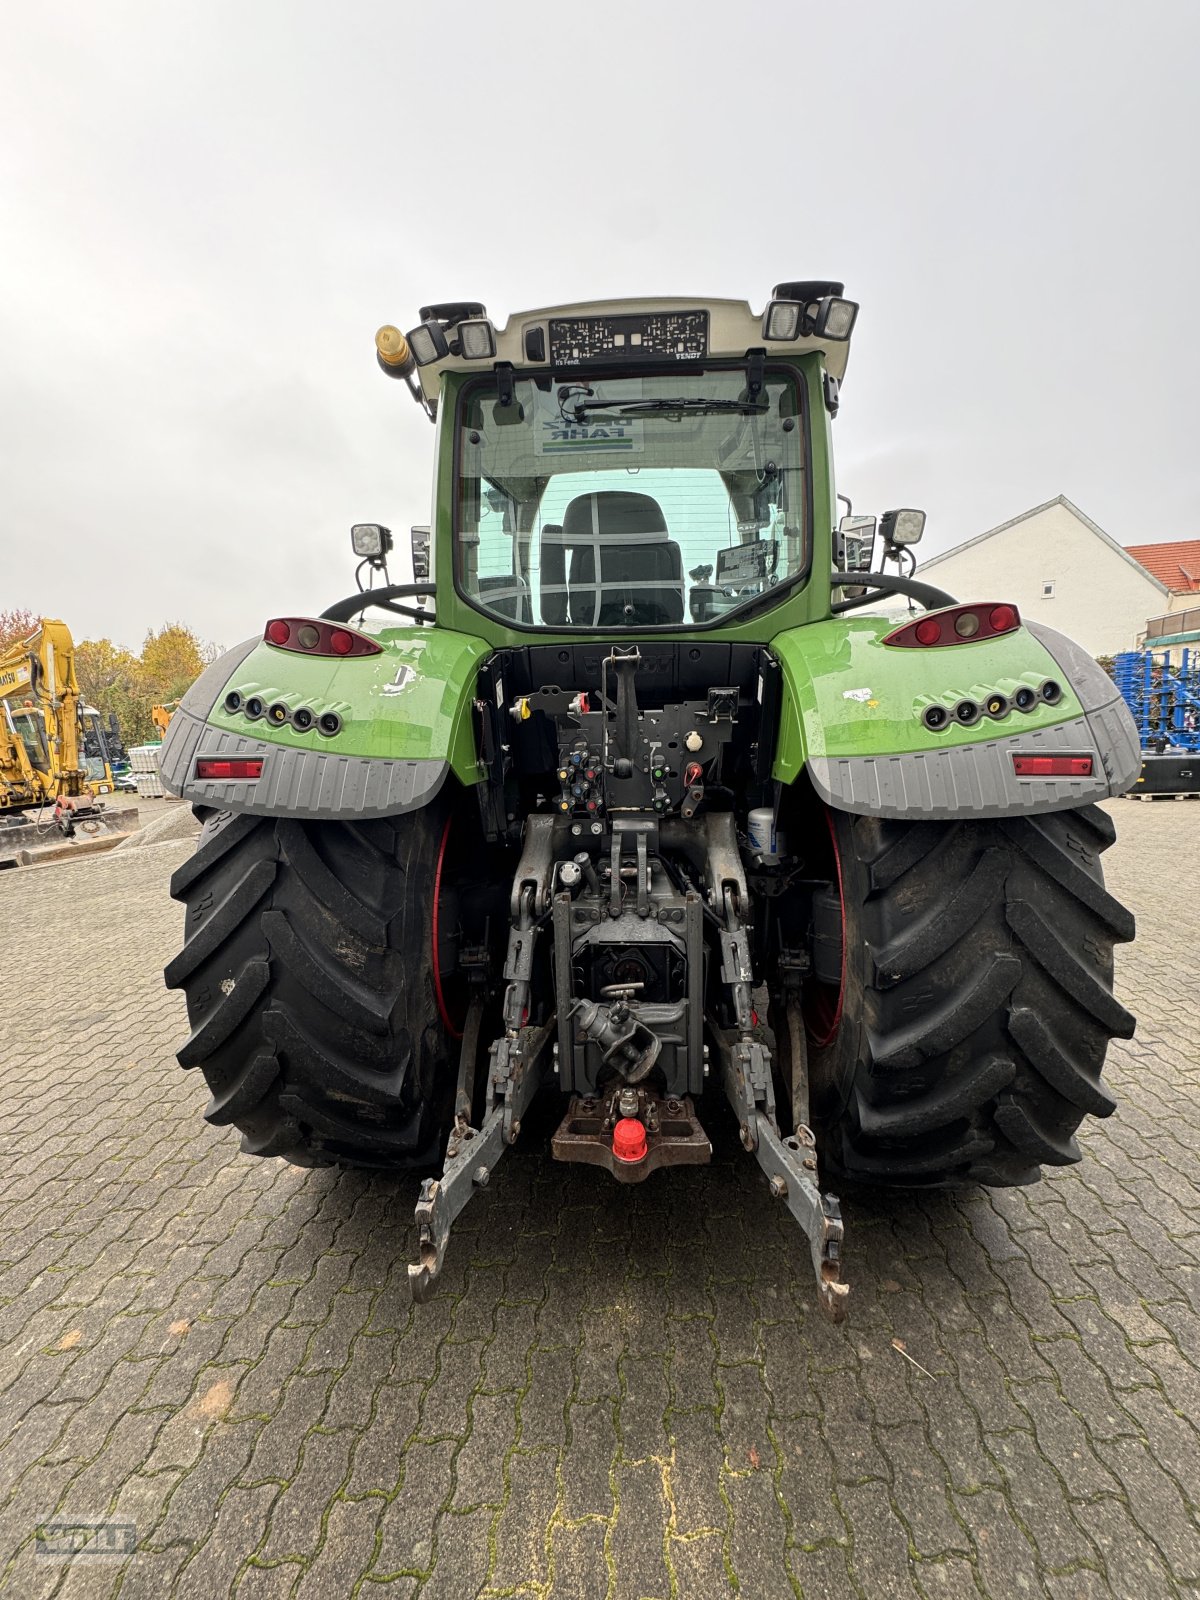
(236, 767)
(956, 625)
(1052, 766)
(309, 636)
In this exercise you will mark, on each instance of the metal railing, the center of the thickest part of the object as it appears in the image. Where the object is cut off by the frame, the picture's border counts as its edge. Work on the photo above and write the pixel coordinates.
(1172, 623)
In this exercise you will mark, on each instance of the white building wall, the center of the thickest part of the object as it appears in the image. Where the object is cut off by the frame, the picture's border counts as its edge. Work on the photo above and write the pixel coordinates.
(1100, 599)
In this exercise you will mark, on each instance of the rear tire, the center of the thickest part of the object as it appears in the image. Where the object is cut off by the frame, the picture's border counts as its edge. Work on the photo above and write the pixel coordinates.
(966, 1039)
(308, 972)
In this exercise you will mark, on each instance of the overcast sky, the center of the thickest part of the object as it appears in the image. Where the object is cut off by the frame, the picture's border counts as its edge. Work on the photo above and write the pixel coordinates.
(206, 209)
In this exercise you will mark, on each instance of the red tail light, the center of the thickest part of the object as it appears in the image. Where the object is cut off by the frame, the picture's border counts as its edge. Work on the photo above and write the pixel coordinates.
(1052, 766)
(309, 636)
(236, 767)
(957, 625)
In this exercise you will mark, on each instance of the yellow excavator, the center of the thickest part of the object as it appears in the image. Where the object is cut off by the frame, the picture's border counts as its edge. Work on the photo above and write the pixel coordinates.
(161, 716)
(53, 747)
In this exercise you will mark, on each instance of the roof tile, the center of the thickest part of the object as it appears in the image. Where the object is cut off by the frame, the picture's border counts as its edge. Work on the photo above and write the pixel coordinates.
(1176, 564)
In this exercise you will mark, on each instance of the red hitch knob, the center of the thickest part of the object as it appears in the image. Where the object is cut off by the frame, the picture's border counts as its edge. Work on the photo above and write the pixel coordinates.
(629, 1140)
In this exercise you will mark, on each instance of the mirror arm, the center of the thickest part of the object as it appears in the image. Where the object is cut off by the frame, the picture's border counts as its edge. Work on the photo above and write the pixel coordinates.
(343, 610)
(887, 583)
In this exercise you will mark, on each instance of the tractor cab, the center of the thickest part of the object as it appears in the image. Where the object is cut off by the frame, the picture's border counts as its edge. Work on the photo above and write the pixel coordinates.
(631, 467)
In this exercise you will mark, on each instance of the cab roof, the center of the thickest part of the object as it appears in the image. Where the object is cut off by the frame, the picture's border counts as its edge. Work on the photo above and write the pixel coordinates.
(700, 327)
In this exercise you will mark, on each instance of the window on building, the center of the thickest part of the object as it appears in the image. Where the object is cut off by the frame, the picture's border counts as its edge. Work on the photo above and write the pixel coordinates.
(1048, 589)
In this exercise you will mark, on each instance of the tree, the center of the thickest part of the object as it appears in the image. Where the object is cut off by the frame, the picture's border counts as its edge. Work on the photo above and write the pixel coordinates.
(111, 679)
(16, 624)
(172, 660)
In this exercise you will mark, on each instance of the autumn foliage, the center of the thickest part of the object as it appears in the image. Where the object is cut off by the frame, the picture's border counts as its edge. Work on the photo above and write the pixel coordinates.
(113, 679)
(14, 625)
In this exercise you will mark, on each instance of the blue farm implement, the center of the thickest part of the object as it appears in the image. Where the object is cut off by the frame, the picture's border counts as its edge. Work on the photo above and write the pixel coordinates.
(1164, 698)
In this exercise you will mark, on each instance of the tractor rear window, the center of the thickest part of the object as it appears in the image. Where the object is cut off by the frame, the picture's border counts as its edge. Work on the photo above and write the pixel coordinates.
(650, 501)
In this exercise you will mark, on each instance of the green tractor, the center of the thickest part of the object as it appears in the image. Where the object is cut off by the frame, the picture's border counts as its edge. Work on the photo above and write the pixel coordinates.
(629, 797)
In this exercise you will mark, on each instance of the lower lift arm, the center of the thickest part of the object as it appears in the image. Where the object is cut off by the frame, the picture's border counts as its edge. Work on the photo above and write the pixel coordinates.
(789, 1163)
(515, 1063)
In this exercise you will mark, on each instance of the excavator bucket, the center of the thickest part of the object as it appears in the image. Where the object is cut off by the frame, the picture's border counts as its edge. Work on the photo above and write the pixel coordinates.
(62, 832)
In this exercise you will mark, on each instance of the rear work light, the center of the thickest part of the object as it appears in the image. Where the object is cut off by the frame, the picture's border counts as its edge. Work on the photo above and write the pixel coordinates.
(309, 636)
(957, 625)
(1052, 766)
(237, 767)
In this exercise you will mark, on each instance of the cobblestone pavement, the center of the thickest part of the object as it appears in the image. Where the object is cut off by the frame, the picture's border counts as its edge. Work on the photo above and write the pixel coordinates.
(621, 1392)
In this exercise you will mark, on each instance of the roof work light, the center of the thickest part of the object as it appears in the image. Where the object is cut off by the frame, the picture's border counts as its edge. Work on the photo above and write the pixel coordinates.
(476, 339)
(810, 307)
(835, 319)
(782, 319)
(428, 343)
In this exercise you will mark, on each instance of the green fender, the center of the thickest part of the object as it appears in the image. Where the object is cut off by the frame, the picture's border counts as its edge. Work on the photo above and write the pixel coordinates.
(852, 711)
(405, 718)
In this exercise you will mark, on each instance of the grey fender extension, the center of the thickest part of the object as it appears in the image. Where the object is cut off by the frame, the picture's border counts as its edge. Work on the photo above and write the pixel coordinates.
(978, 780)
(314, 785)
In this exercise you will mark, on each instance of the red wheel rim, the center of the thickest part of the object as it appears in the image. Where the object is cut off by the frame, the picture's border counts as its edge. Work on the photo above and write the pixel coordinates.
(439, 993)
(825, 1018)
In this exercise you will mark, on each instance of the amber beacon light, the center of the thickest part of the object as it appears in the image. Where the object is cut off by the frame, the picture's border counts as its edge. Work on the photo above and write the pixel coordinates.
(393, 352)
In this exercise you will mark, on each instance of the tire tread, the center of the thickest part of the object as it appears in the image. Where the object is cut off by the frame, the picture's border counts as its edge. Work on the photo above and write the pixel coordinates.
(975, 1028)
(306, 972)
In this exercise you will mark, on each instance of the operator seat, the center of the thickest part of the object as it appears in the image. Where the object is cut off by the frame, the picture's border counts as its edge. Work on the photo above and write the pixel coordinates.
(612, 564)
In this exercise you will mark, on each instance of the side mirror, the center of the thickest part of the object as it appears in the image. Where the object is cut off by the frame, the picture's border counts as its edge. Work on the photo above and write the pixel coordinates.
(854, 546)
(420, 554)
(902, 527)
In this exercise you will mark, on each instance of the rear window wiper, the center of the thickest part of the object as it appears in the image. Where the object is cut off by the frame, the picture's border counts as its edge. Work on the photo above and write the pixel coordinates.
(579, 408)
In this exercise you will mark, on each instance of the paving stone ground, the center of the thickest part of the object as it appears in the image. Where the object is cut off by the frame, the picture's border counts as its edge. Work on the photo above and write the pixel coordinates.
(617, 1392)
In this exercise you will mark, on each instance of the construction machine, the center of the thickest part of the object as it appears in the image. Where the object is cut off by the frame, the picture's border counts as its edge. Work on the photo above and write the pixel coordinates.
(54, 749)
(161, 716)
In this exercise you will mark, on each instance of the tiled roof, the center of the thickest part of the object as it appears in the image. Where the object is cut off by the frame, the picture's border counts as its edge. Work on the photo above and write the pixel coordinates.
(1177, 565)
